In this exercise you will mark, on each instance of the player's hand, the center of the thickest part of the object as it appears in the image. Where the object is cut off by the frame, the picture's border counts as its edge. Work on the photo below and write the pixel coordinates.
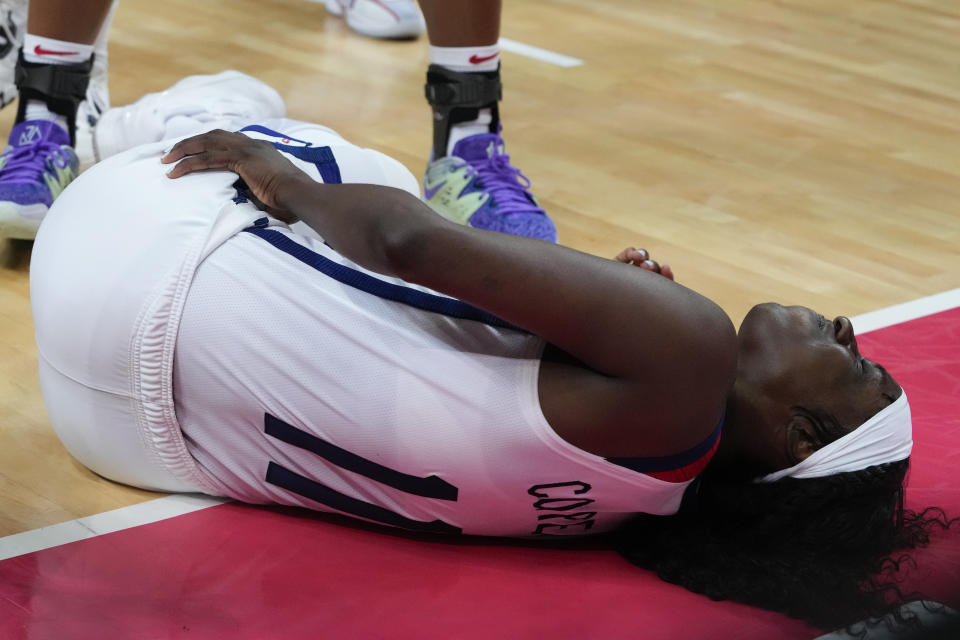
(268, 175)
(641, 258)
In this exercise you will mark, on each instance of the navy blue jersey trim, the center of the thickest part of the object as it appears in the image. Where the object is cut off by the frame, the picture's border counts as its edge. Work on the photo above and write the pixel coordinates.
(671, 463)
(321, 157)
(374, 286)
(429, 487)
(291, 481)
(243, 192)
(270, 132)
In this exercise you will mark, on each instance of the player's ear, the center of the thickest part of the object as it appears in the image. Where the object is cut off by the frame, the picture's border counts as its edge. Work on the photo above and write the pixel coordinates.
(801, 437)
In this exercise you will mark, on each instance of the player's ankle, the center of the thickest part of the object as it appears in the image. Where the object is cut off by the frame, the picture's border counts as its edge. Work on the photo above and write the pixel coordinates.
(52, 89)
(464, 103)
(38, 110)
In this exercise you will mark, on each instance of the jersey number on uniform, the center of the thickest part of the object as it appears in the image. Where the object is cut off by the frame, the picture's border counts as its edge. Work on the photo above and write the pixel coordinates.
(429, 487)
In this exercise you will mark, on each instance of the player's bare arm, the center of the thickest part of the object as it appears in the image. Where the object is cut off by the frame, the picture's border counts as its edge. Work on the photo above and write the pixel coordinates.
(621, 322)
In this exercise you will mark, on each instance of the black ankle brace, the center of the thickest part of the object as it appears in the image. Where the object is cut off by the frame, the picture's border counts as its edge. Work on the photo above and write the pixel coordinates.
(62, 87)
(458, 97)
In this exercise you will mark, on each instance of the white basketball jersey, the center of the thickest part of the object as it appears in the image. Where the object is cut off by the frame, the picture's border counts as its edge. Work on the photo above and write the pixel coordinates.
(239, 357)
(303, 379)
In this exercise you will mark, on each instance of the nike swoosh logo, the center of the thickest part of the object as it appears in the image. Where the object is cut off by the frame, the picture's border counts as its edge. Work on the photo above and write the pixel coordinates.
(475, 59)
(40, 51)
(428, 192)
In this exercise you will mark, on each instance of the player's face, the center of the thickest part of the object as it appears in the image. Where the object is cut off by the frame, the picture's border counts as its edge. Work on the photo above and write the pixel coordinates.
(798, 357)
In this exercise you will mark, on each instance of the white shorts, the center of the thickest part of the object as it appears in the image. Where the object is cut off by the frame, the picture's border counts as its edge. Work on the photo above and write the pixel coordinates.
(111, 268)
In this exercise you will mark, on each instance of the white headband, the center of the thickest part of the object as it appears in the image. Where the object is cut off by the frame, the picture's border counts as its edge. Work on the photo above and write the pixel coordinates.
(886, 437)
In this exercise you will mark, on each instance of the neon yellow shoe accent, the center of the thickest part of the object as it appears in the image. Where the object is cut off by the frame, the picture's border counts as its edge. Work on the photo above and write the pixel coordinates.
(59, 179)
(444, 188)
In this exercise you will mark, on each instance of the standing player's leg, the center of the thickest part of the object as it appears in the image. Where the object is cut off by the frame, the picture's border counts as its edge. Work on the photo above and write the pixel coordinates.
(52, 76)
(470, 179)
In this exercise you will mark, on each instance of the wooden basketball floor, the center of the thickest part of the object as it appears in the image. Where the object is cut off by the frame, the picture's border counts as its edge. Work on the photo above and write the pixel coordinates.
(804, 151)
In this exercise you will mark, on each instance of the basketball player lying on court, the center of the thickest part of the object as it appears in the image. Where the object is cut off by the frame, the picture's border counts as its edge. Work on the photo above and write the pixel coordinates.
(413, 372)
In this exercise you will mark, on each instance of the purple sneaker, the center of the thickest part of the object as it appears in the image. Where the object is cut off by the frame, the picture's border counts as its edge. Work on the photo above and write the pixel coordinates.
(36, 166)
(477, 186)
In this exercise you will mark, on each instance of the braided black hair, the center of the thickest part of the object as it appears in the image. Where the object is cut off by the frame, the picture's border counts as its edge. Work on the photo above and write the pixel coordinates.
(819, 549)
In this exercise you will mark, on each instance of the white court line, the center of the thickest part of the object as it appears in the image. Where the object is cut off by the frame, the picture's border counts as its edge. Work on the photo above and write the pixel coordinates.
(543, 55)
(177, 505)
(101, 523)
(912, 310)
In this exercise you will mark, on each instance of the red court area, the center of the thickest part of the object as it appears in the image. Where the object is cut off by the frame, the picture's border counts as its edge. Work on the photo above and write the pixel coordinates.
(242, 572)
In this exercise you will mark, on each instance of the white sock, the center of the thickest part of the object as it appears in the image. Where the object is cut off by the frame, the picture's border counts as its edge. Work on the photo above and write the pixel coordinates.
(41, 50)
(463, 130)
(466, 60)
(37, 110)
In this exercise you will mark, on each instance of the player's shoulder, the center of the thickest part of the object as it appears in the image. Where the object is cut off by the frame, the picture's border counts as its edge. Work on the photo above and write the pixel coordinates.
(659, 411)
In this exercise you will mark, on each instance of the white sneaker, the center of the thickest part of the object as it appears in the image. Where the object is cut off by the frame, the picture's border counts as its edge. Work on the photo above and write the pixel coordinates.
(98, 96)
(90, 110)
(13, 23)
(380, 18)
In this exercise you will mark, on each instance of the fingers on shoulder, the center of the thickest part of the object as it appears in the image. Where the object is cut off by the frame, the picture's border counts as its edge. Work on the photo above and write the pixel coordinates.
(216, 149)
(214, 139)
